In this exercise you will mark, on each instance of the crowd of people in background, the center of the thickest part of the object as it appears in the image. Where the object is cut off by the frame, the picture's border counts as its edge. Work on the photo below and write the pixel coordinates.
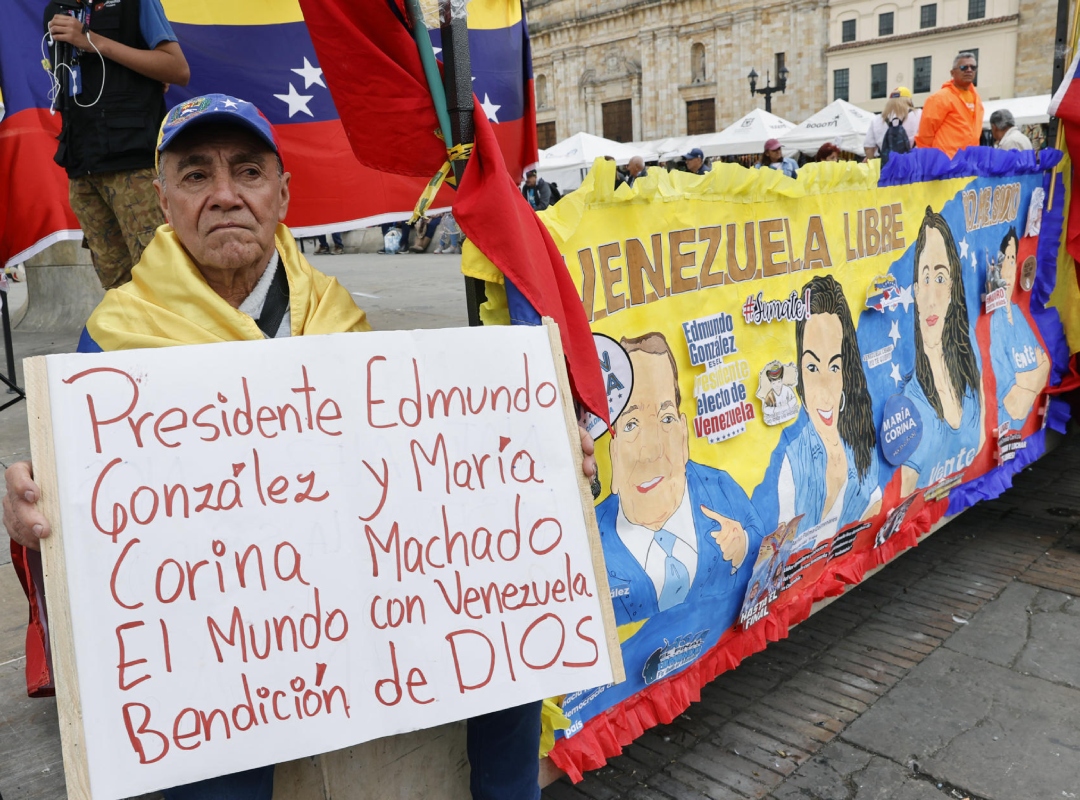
(951, 118)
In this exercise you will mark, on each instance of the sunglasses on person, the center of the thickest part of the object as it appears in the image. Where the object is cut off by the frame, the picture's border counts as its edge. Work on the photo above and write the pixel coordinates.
(967, 67)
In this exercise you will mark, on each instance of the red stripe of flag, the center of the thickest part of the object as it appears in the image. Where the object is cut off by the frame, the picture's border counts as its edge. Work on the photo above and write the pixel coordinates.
(34, 192)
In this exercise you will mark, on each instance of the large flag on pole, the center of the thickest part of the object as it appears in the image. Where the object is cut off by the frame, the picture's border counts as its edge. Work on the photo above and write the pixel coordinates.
(259, 50)
(393, 104)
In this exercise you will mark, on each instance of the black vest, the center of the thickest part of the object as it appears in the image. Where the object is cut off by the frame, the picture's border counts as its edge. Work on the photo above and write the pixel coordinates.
(119, 132)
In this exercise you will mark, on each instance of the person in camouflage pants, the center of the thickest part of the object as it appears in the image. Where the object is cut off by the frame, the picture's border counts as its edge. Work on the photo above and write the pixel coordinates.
(119, 212)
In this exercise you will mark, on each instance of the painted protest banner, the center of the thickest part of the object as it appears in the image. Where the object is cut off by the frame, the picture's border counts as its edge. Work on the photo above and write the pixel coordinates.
(275, 549)
(903, 367)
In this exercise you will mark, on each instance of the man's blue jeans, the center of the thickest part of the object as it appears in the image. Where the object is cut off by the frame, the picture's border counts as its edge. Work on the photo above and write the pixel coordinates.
(504, 754)
(254, 784)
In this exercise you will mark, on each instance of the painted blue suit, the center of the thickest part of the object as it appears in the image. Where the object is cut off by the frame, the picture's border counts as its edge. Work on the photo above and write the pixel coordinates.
(713, 583)
(671, 640)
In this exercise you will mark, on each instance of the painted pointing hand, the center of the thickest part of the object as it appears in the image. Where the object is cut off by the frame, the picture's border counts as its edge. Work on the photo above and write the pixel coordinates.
(733, 541)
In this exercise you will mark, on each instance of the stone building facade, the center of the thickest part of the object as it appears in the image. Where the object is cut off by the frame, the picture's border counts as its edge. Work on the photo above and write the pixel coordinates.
(1035, 47)
(878, 44)
(647, 69)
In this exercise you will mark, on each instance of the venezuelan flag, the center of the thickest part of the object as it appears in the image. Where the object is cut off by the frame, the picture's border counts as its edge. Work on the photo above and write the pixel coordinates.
(260, 50)
(371, 37)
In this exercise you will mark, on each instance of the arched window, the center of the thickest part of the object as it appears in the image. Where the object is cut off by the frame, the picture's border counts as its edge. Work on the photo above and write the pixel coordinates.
(541, 91)
(697, 63)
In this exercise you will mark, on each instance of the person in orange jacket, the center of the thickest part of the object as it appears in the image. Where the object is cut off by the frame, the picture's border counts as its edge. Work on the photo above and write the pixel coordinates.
(952, 116)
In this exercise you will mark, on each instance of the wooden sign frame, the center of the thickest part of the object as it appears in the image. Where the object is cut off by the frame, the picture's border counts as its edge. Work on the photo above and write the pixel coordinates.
(56, 570)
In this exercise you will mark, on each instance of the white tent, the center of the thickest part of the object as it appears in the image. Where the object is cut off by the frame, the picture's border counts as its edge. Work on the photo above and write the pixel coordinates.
(567, 162)
(747, 135)
(674, 147)
(839, 122)
(1026, 110)
(586, 148)
(648, 146)
(566, 173)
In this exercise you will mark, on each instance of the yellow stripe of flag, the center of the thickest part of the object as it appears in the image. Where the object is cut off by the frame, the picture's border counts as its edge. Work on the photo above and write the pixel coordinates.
(232, 12)
(485, 14)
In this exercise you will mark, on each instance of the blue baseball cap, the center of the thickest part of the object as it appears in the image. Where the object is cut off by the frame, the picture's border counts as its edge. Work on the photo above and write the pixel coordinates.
(215, 108)
(695, 153)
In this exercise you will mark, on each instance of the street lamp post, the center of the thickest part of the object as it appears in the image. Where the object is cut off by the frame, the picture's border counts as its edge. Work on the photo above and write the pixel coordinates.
(768, 90)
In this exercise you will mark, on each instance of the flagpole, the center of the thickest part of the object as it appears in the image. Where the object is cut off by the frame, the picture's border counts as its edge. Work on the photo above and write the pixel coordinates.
(431, 66)
(457, 74)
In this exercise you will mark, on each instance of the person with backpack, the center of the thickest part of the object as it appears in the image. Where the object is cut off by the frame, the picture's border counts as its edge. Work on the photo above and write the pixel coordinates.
(536, 190)
(893, 131)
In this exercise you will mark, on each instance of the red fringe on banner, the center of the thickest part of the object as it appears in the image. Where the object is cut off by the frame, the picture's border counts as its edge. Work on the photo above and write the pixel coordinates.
(604, 736)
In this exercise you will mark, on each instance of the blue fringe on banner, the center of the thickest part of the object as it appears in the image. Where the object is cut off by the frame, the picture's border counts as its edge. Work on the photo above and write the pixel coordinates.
(928, 164)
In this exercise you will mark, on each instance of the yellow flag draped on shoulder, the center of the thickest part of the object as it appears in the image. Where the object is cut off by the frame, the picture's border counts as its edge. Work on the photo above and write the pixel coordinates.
(169, 303)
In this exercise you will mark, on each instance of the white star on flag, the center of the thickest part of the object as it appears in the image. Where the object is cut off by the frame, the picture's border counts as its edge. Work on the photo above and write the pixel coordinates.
(974, 262)
(310, 74)
(297, 102)
(895, 374)
(963, 248)
(490, 109)
(906, 298)
(230, 103)
(894, 332)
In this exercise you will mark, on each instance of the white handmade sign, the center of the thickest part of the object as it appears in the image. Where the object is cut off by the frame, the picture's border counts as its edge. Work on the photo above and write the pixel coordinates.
(268, 550)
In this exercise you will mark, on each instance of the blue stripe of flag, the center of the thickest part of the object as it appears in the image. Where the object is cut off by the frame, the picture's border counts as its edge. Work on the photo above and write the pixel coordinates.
(23, 80)
(498, 66)
(255, 63)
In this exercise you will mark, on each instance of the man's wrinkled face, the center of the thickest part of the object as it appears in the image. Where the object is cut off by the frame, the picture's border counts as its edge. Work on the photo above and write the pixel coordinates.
(963, 74)
(650, 449)
(223, 195)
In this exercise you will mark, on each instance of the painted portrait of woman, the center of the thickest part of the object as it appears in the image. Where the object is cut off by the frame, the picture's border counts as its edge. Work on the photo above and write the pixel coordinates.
(1021, 366)
(945, 386)
(829, 472)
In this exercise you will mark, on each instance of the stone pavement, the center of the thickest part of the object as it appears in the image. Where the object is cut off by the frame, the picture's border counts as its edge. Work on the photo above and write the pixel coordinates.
(951, 673)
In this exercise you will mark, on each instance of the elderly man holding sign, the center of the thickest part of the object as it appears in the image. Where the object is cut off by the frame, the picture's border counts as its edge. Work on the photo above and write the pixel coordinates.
(225, 268)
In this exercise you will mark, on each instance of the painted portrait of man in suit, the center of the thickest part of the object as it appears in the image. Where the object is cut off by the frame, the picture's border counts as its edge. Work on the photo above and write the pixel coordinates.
(673, 531)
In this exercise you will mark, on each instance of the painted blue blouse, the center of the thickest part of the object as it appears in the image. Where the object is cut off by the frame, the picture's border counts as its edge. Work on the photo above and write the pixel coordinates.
(807, 459)
(943, 449)
(1014, 349)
